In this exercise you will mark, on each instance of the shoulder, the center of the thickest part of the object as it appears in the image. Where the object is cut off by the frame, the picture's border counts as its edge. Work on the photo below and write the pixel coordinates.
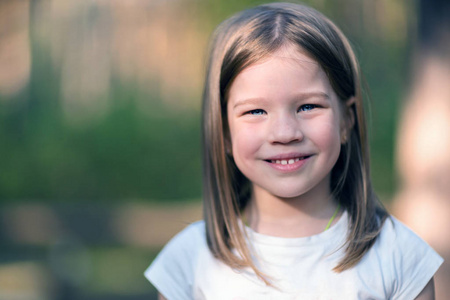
(408, 261)
(189, 237)
(173, 270)
(397, 239)
(393, 229)
(185, 243)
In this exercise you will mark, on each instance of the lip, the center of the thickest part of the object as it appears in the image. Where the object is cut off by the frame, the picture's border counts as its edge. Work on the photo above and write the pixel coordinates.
(292, 161)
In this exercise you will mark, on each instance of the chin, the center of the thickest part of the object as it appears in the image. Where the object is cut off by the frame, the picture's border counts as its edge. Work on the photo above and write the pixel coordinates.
(288, 194)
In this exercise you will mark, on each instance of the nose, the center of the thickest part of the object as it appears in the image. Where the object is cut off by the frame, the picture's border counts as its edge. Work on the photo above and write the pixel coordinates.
(285, 129)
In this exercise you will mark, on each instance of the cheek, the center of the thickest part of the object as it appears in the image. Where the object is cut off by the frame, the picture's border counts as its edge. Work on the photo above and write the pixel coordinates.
(246, 140)
(326, 134)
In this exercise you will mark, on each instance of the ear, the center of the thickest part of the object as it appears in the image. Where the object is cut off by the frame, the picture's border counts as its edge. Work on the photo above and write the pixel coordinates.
(349, 119)
(350, 112)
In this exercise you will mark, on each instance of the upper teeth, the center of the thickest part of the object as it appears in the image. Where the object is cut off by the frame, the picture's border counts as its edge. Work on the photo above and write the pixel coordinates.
(286, 161)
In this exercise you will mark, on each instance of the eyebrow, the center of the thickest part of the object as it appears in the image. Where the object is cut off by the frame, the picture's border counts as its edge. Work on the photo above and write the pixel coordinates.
(248, 101)
(299, 96)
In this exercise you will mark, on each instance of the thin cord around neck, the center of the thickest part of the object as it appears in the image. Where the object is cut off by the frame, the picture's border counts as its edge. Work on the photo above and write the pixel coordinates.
(334, 216)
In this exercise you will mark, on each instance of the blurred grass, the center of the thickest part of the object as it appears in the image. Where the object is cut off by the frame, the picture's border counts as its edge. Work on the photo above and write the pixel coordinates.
(85, 251)
(114, 271)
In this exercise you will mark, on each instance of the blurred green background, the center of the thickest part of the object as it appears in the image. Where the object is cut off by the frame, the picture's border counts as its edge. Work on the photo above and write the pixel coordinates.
(100, 130)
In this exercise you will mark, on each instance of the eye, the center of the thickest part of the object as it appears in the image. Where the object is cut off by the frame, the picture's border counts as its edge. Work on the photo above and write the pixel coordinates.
(307, 107)
(255, 112)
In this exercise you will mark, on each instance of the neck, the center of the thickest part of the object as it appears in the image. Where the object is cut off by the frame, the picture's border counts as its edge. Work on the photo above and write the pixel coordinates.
(301, 216)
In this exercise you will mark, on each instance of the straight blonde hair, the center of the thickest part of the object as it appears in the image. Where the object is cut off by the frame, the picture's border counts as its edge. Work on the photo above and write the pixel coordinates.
(239, 42)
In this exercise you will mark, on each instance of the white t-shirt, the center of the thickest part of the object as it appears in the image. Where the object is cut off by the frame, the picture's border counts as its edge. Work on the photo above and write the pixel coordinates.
(398, 266)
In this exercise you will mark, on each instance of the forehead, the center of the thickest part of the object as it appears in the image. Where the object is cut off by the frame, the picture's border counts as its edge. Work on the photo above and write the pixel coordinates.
(291, 55)
(287, 70)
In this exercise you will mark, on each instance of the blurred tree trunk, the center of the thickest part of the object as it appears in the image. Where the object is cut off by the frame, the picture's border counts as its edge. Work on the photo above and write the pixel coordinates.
(423, 149)
(15, 57)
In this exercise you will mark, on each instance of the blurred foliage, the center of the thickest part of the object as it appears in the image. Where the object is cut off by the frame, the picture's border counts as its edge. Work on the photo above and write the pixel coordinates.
(128, 153)
(131, 153)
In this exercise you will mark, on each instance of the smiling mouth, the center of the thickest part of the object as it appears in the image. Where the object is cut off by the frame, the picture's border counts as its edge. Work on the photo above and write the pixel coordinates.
(289, 161)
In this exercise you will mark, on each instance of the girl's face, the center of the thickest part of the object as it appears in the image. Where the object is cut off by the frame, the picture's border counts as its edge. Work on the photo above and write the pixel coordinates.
(285, 125)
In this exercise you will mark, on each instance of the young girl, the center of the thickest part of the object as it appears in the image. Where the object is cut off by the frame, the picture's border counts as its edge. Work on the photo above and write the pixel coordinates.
(289, 210)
